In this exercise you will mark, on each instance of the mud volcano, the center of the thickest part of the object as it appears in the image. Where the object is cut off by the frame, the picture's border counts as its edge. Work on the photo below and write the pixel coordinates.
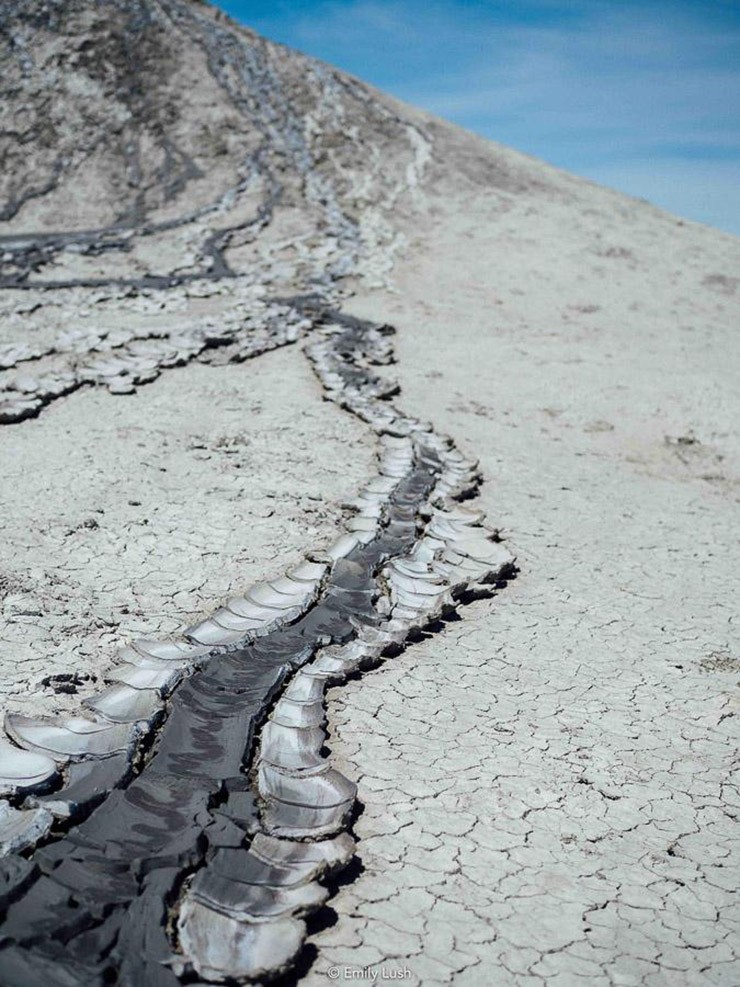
(267, 712)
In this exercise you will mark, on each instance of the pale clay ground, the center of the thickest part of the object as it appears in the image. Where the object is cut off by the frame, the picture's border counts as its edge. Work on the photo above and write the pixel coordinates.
(547, 786)
(147, 512)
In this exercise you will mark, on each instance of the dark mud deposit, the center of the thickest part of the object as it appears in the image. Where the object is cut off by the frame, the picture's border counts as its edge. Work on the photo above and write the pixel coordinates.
(179, 802)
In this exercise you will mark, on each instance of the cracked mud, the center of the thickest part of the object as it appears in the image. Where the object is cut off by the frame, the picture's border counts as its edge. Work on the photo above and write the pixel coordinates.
(164, 807)
(534, 791)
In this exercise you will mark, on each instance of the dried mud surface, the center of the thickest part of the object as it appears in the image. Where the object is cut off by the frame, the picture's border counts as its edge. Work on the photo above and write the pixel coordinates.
(550, 790)
(546, 778)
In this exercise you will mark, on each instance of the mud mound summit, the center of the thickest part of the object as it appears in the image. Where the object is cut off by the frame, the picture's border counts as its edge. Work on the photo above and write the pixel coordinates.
(157, 141)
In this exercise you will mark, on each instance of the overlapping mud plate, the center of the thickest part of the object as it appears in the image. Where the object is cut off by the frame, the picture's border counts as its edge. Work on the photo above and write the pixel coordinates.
(185, 823)
(188, 823)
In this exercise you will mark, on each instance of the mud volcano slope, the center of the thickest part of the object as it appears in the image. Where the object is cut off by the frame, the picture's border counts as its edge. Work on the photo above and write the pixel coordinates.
(156, 140)
(251, 621)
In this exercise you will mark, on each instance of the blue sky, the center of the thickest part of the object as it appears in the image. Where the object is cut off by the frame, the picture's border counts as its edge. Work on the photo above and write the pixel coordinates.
(641, 96)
